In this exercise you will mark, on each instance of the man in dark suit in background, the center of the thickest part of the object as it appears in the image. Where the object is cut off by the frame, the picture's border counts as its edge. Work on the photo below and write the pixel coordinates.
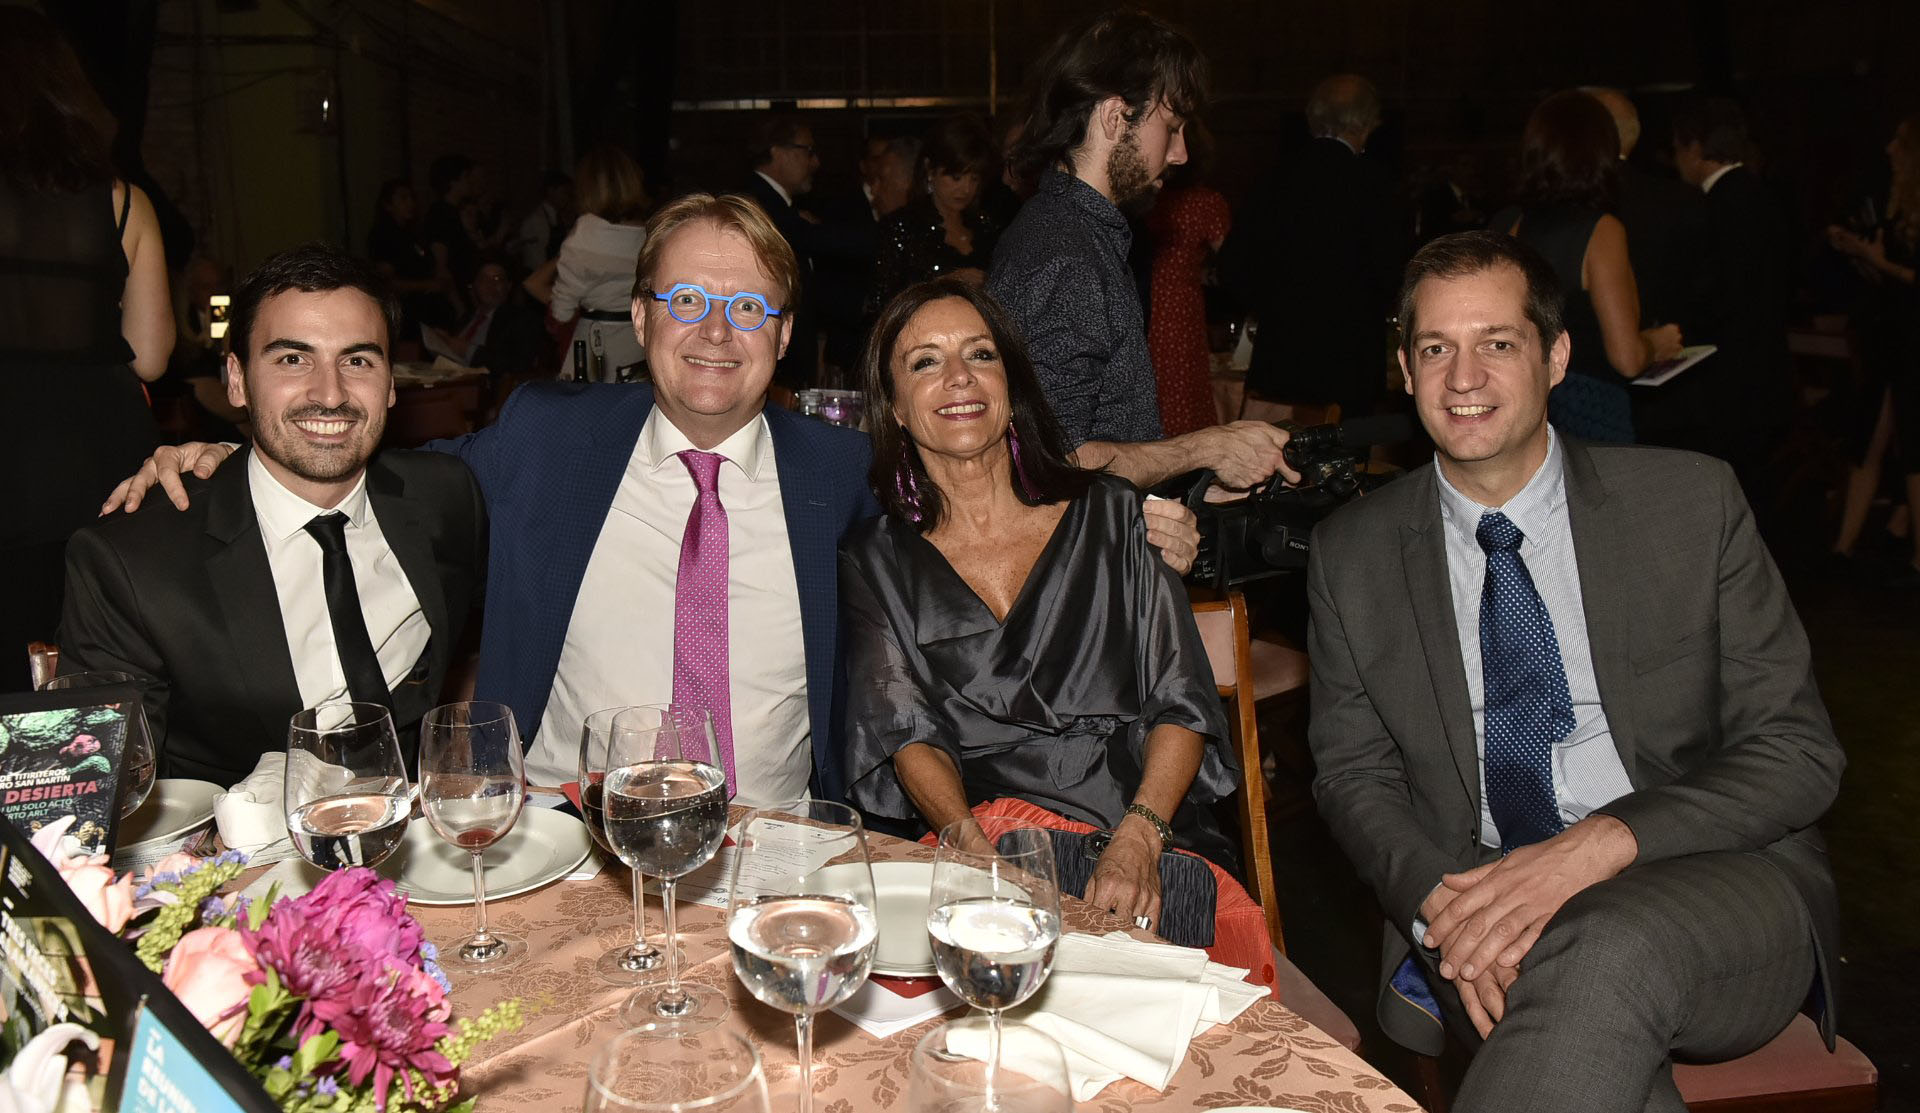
(1738, 401)
(1566, 726)
(1316, 253)
(314, 570)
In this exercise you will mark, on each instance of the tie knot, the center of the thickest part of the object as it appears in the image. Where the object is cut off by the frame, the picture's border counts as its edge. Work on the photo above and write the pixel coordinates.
(704, 467)
(330, 530)
(1497, 531)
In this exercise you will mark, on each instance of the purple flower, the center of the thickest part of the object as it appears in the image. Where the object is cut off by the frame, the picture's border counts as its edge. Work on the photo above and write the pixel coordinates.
(284, 1062)
(327, 1087)
(388, 1024)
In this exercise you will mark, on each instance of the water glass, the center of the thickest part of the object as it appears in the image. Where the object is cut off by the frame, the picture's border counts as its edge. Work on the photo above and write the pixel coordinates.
(949, 1075)
(639, 962)
(346, 796)
(993, 916)
(136, 753)
(666, 815)
(711, 1071)
(472, 786)
(800, 914)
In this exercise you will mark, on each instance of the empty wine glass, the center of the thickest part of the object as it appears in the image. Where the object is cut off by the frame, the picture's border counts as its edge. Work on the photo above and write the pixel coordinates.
(639, 1072)
(993, 916)
(472, 784)
(949, 1075)
(666, 815)
(800, 914)
(347, 799)
(136, 753)
(639, 962)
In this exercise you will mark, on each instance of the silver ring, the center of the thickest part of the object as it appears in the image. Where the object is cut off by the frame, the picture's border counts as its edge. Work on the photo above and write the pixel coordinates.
(1142, 922)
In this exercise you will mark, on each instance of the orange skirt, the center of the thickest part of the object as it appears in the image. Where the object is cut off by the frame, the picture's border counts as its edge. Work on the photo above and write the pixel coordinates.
(1239, 923)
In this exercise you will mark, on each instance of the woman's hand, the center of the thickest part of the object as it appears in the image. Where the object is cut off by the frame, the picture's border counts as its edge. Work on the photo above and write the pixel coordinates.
(1873, 252)
(1127, 880)
(1664, 342)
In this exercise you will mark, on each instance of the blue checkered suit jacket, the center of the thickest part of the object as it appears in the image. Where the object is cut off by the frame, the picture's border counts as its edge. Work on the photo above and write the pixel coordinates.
(549, 469)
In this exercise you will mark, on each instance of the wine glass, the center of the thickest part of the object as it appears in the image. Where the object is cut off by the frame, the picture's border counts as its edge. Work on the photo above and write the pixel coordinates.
(136, 753)
(800, 914)
(472, 784)
(346, 796)
(639, 962)
(948, 1074)
(993, 915)
(666, 815)
(638, 1072)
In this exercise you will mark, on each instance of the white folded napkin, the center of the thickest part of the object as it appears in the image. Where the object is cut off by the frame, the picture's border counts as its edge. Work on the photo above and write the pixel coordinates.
(1123, 1008)
(251, 815)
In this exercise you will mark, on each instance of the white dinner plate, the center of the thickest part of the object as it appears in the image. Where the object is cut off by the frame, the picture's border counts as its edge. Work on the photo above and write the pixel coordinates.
(174, 808)
(900, 889)
(544, 845)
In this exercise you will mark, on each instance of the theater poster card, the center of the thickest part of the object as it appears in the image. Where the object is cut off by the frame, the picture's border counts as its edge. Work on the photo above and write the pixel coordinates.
(60, 755)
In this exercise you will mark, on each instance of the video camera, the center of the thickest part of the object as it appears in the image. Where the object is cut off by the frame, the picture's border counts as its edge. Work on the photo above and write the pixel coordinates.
(1266, 533)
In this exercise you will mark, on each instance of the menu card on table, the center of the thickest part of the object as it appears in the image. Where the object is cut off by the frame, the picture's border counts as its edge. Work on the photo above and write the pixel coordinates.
(60, 756)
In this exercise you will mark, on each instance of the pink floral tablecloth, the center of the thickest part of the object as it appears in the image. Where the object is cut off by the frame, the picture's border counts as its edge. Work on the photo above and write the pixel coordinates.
(1269, 1056)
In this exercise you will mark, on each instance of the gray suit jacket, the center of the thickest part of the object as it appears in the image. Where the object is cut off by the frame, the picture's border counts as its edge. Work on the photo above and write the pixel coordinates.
(1701, 661)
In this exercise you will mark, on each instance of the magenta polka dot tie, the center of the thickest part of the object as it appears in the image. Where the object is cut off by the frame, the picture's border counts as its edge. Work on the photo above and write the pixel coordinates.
(700, 673)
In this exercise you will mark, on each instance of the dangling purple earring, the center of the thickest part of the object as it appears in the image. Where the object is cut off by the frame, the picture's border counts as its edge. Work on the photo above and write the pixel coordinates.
(905, 485)
(1019, 469)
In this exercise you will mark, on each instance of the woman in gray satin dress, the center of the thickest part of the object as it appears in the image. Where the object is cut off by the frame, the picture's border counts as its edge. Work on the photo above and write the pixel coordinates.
(1009, 630)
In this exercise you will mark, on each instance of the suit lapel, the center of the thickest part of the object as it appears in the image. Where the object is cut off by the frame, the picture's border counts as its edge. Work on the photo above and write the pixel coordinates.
(1423, 552)
(407, 535)
(249, 604)
(1601, 549)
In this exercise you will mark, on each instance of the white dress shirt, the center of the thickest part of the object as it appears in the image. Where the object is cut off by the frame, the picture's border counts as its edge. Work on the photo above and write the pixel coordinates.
(1587, 772)
(1713, 179)
(619, 643)
(388, 604)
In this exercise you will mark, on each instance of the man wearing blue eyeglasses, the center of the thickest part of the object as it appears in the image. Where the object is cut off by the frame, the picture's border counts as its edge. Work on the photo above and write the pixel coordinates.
(672, 542)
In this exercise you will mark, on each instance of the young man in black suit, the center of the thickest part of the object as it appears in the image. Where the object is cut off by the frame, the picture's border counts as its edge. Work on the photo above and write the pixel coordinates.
(318, 570)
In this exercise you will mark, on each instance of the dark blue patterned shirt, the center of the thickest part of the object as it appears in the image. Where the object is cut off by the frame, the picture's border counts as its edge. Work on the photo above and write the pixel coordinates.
(1061, 272)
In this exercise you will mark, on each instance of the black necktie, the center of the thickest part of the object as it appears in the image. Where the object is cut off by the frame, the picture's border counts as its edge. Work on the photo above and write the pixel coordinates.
(365, 683)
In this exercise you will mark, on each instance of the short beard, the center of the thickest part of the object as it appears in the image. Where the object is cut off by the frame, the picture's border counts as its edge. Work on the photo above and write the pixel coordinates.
(284, 446)
(1132, 187)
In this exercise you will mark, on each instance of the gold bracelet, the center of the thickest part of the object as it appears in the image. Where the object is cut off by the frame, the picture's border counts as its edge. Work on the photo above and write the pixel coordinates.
(1160, 825)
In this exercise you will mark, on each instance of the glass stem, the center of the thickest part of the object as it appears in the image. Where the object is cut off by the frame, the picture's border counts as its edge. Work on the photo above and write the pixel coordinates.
(672, 1001)
(993, 1058)
(480, 900)
(639, 916)
(803, 1040)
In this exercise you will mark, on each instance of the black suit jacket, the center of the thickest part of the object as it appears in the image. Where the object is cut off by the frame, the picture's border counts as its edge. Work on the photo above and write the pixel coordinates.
(1317, 253)
(1733, 403)
(1700, 659)
(1667, 239)
(187, 598)
(801, 365)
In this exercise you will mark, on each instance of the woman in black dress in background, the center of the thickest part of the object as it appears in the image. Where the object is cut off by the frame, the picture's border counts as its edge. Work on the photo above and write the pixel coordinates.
(942, 230)
(1010, 631)
(84, 319)
(1569, 179)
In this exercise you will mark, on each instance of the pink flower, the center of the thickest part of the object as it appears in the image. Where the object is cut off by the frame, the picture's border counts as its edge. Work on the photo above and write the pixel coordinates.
(390, 1022)
(361, 910)
(209, 970)
(349, 931)
(110, 901)
(89, 876)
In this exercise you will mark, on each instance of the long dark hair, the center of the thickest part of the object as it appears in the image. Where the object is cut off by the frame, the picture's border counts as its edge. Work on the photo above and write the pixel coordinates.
(1570, 154)
(1041, 472)
(55, 134)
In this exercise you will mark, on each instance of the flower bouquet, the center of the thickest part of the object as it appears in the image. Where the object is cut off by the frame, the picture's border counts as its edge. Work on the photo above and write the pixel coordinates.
(332, 1000)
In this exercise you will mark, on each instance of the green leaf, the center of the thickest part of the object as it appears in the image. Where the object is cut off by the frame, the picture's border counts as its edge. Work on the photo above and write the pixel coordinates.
(464, 1107)
(318, 1049)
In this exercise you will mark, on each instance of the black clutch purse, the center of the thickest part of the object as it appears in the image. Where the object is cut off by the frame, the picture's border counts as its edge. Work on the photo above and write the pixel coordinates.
(1188, 890)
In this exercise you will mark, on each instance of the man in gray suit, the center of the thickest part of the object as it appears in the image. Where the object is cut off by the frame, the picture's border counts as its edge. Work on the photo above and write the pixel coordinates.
(1583, 784)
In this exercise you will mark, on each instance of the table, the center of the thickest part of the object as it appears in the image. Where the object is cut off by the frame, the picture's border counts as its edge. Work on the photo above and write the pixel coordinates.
(1269, 1056)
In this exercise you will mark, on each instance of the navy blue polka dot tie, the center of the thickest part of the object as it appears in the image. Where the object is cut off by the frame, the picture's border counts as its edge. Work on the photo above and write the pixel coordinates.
(1528, 706)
